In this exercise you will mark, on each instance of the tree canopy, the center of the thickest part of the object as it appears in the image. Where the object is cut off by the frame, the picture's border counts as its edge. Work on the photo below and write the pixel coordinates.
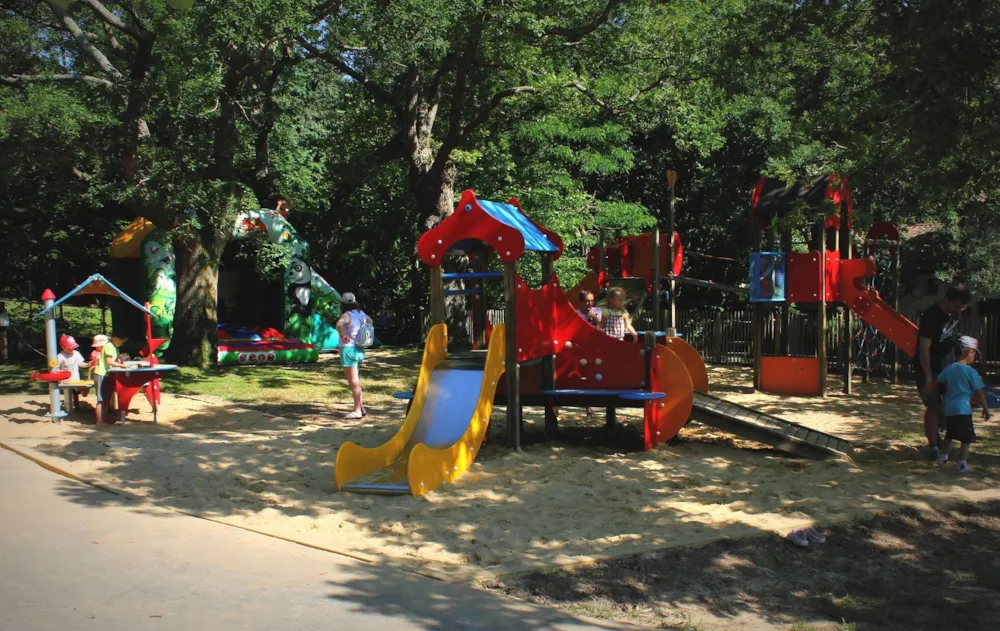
(370, 116)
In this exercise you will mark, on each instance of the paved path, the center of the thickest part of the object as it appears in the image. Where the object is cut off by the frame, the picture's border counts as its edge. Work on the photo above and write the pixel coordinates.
(73, 557)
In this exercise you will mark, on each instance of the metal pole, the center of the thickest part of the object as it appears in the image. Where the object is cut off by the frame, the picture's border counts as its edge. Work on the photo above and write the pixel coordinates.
(51, 350)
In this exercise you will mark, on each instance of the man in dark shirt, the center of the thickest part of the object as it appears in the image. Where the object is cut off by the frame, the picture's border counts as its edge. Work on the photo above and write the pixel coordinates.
(938, 333)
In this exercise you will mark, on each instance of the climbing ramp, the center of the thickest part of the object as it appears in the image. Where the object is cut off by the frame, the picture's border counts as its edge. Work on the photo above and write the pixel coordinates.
(765, 428)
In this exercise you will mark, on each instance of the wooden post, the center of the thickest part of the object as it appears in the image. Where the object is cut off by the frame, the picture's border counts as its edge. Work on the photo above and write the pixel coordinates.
(603, 261)
(895, 305)
(4, 323)
(717, 338)
(821, 312)
(437, 295)
(655, 325)
(756, 339)
(847, 330)
(479, 303)
(671, 228)
(513, 370)
(786, 247)
(549, 363)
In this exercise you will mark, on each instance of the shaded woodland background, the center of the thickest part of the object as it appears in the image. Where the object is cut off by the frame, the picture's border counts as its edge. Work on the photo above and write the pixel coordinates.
(370, 116)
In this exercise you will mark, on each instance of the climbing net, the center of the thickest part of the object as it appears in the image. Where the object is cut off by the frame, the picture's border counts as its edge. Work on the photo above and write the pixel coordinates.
(872, 350)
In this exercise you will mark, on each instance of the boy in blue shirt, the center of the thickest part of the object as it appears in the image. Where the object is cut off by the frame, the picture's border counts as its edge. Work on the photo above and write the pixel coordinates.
(961, 382)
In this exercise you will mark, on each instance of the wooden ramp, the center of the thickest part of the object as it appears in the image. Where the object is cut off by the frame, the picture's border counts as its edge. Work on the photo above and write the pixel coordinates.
(779, 433)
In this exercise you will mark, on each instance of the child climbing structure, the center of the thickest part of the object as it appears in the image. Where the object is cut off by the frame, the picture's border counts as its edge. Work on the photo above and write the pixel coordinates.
(547, 354)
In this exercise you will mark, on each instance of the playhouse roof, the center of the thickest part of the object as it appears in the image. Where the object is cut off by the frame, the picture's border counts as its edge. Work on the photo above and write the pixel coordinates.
(96, 285)
(127, 244)
(501, 226)
(773, 197)
(510, 215)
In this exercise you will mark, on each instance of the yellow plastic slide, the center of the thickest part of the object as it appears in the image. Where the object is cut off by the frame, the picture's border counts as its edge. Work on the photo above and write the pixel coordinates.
(443, 430)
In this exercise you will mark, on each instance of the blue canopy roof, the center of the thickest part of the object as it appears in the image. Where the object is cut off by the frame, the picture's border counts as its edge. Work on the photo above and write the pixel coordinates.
(534, 239)
(108, 289)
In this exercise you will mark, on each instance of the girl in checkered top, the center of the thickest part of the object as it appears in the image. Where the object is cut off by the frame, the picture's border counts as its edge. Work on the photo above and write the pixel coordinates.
(615, 320)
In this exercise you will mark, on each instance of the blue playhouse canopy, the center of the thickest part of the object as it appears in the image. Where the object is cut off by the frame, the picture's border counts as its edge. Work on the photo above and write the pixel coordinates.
(99, 286)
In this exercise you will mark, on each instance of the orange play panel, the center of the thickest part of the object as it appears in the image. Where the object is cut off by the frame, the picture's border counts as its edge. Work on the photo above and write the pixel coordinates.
(796, 376)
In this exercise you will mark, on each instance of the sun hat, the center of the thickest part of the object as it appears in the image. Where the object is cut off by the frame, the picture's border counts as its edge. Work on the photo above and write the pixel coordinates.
(67, 342)
(968, 342)
(99, 341)
(348, 298)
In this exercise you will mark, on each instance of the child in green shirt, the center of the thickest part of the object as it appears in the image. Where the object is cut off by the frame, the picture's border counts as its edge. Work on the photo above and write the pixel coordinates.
(107, 358)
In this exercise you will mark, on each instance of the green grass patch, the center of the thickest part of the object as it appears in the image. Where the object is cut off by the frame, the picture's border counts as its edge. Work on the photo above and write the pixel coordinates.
(385, 371)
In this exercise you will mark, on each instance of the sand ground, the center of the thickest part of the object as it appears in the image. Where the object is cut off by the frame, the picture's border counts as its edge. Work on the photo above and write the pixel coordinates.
(555, 505)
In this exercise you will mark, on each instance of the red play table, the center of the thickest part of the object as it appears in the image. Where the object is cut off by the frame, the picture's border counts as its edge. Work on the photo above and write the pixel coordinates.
(129, 381)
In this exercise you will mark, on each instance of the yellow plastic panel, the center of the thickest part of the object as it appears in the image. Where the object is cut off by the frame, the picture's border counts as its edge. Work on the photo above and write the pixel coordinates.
(353, 460)
(428, 467)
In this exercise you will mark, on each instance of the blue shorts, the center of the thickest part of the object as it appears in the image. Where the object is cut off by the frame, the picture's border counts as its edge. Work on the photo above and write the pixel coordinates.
(99, 386)
(351, 356)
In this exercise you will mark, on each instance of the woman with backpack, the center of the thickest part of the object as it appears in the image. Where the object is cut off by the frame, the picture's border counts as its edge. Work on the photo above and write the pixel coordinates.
(356, 334)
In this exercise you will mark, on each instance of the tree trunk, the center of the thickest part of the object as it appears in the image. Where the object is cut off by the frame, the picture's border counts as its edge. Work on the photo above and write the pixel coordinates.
(435, 195)
(195, 338)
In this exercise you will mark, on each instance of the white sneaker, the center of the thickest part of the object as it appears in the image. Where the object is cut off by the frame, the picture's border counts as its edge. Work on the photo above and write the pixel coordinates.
(799, 538)
(814, 536)
(353, 415)
(943, 460)
(964, 468)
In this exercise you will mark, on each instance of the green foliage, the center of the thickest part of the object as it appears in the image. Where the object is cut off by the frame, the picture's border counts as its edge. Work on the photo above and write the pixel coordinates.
(345, 114)
(268, 260)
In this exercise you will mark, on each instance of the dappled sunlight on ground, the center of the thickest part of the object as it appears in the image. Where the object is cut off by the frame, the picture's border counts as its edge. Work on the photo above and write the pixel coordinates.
(269, 467)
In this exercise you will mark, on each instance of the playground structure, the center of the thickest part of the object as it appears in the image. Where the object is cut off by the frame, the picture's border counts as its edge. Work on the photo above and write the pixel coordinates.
(290, 319)
(825, 274)
(780, 278)
(141, 375)
(549, 356)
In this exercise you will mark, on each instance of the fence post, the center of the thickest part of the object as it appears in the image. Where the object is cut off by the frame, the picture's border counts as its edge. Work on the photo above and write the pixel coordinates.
(895, 305)
(717, 337)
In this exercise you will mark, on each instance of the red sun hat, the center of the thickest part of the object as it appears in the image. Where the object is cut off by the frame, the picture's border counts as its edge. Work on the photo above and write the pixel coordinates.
(67, 343)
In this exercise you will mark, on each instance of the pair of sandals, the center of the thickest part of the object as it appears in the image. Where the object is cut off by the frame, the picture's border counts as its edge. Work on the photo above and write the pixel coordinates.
(804, 536)
(356, 415)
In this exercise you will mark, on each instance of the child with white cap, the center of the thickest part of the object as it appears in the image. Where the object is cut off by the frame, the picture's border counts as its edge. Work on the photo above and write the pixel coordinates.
(961, 384)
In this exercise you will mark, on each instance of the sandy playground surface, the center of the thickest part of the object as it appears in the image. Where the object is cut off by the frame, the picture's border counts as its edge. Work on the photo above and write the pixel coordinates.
(555, 504)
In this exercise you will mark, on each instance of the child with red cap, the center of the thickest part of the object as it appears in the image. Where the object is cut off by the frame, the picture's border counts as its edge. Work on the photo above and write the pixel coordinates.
(70, 360)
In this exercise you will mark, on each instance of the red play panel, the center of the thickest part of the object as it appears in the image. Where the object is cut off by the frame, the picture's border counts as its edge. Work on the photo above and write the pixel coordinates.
(796, 376)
